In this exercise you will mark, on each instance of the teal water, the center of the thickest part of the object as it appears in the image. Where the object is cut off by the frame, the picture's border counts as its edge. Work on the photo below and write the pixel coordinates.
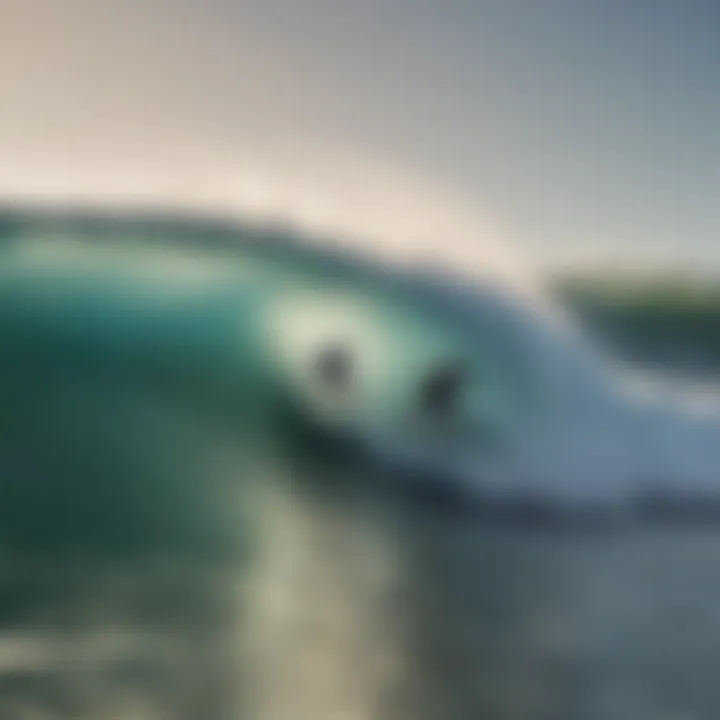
(191, 528)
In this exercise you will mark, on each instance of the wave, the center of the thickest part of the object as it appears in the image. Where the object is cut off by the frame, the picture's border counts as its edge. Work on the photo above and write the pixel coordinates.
(543, 417)
(314, 477)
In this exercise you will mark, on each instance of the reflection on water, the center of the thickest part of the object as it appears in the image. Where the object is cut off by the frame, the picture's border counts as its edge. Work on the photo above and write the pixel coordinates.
(356, 601)
(110, 643)
(618, 623)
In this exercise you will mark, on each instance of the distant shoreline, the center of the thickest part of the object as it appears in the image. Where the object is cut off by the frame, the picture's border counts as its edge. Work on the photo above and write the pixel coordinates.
(667, 322)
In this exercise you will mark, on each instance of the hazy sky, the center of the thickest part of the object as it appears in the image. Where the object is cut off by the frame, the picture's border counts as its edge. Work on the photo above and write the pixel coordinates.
(586, 129)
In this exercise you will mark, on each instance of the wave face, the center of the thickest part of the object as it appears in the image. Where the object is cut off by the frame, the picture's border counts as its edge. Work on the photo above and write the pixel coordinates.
(591, 437)
(246, 477)
(546, 417)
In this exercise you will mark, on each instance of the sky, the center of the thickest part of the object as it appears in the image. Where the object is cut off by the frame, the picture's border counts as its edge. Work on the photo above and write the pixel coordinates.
(583, 132)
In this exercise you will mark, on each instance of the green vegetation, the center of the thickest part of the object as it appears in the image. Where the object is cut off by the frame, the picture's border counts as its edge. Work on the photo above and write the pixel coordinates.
(674, 321)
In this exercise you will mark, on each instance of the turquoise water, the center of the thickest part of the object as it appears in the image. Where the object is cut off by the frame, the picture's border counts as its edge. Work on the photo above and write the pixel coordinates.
(190, 530)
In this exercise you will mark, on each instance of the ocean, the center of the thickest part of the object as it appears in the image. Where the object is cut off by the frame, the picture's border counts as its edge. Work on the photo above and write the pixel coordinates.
(185, 560)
